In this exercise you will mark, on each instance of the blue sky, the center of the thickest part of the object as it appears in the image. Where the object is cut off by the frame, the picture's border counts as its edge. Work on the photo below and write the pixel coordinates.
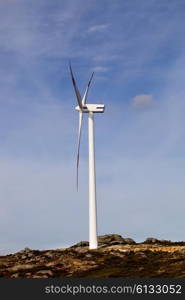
(137, 50)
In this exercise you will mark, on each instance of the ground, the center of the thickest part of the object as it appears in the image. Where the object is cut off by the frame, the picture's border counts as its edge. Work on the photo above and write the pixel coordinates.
(115, 257)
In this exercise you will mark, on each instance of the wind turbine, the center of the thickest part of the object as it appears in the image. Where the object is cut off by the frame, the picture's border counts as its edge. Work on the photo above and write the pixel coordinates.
(83, 107)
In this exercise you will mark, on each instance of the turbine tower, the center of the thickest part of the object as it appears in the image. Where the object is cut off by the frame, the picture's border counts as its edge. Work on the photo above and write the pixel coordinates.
(90, 109)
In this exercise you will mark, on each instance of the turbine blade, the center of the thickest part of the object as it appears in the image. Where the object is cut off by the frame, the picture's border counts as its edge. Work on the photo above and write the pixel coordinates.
(78, 96)
(79, 140)
(86, 91)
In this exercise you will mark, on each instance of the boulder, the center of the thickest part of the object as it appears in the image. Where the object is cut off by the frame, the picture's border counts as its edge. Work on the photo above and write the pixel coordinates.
(151, 240)
(110, 239)
(81, 244)
(165, 242)
(156, 241)
(25, 251)
(129, 241)
(107, 240)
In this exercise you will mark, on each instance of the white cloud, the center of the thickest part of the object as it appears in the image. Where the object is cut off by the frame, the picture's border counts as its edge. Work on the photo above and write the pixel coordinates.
(143, 101)
(100, 69)
(98, 28)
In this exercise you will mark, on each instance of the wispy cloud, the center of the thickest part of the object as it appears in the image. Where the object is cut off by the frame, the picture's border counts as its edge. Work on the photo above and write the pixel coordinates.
(100, 69)
(98, 28)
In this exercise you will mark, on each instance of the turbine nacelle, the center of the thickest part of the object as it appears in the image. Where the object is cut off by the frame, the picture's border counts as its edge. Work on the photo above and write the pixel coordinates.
(95, 108)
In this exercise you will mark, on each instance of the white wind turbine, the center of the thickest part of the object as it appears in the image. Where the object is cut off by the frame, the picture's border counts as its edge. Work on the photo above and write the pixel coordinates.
(90, 109)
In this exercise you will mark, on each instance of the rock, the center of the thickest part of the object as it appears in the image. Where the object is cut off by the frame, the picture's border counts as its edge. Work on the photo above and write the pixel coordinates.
(165, 242)
(50, 264)
(31, 254)
(181, 252)
(16, 275)
(25, 250)
(110, 239)
(126, 251)
(107, 240)
(102, 245)
(37, 276)
(81, 244)
(151, 240)
(156, 241)
(116, 243)
(129, 241)
(49, 254)
(81, 250)
(47, 273)
(20, 267)
(89, 255)
(140, 255)
(23, 256)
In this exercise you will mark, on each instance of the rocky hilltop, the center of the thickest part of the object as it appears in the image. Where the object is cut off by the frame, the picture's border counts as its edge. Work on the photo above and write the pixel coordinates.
(115, 257)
